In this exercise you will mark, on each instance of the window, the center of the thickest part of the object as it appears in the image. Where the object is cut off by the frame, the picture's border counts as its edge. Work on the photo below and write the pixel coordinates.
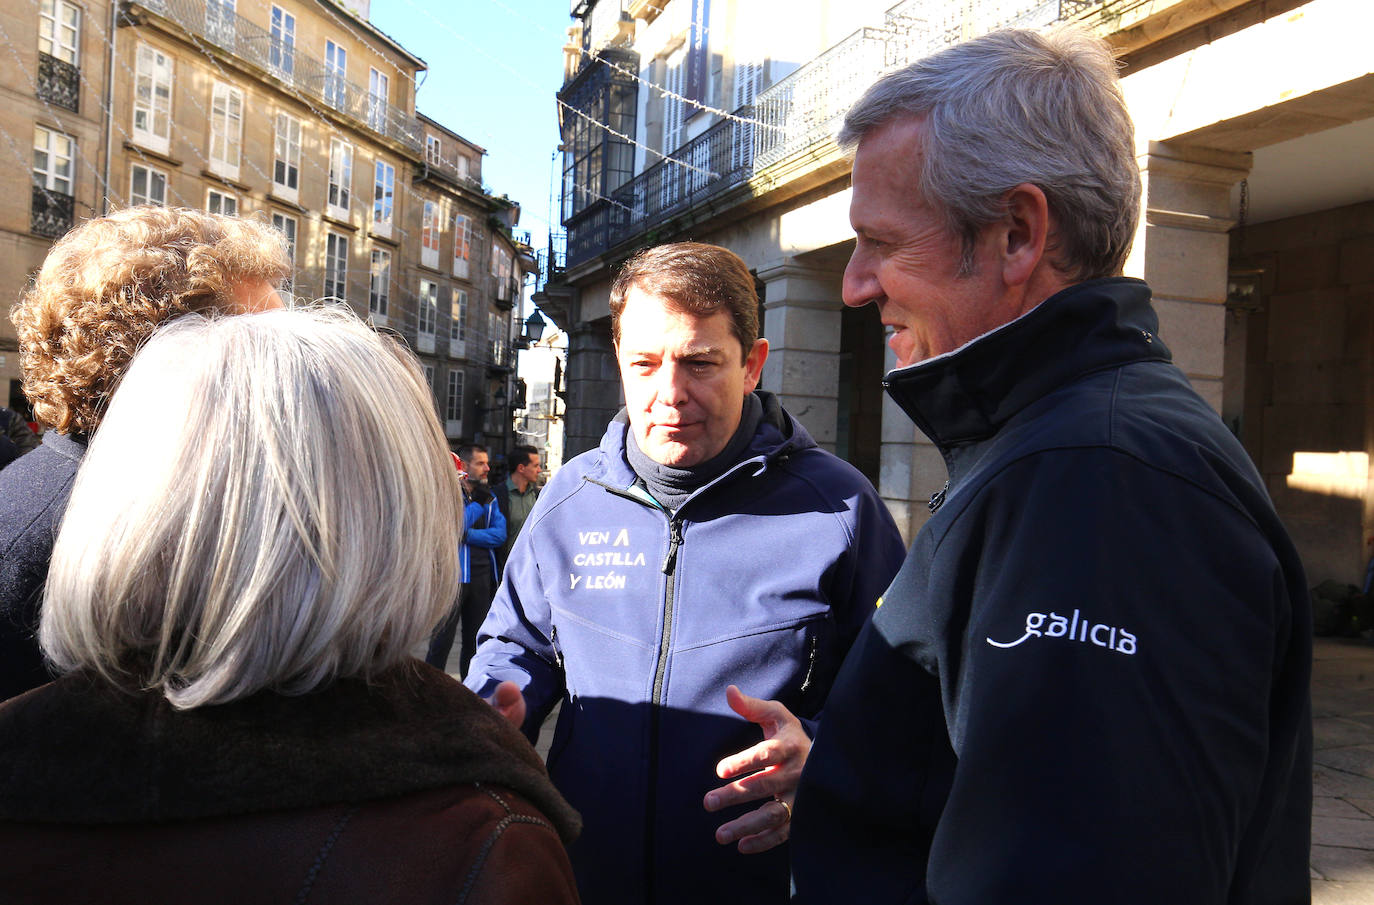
(432, 150)
(496, 330)
(377, 95)
(59, 30)
(153, 98)
(220, 21)
(429, 235)
(383, 198)
(340, 178)
(335, 75)
(286, 171)
(217, 202)
(226, 130)
(463, 166)
(453, 410)
(747, 79)
(458, 323)
(379, 287)
(462, 245)
(283, 47)
(672, 102)
(287, 225)
(336, 267)
(428, 314)
(147, 185)
(501, 265)
(429, 377)
(52, 160)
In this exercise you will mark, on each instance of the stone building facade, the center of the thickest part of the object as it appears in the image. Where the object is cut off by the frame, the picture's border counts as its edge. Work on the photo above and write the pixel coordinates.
(298, 112)
(1255, 129)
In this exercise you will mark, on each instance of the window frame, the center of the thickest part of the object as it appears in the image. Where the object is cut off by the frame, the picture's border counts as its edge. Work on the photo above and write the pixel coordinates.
(282, 46)
(337, 273)
(377, 100)
(226, 126)
(149, 173)
(50, 28)
(279, 221)
(383, 197)
(291, 163)
(339, 197)
(462, 246)
(431, 234)
(458, 323)
(50, 174)
(379, 297)
(453, 401)
(211, 192)
(434, 150)
(149, 137)
(335, 75)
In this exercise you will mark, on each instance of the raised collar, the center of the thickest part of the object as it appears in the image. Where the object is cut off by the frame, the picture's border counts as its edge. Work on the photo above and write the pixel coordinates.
(81, 751)
(969, 394)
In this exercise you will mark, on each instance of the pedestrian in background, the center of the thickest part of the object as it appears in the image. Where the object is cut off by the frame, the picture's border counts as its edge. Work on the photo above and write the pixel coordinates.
(517, 493)
(483, 534)
(16, 438)
(102, 290)
(263, 527)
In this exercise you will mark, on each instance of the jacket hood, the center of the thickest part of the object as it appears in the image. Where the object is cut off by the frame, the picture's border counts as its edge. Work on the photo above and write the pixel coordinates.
(778, 434)
(81, 751)
(968, 394)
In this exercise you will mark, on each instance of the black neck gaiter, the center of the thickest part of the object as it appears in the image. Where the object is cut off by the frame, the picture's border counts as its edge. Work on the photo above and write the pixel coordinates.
(671, 486)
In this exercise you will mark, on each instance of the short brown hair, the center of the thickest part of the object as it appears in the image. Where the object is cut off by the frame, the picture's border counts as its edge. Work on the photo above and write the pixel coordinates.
(696, 278)
(106, 285)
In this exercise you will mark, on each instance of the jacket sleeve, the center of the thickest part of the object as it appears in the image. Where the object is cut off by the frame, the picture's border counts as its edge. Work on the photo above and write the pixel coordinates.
(494, 535)
(1109, 705)
(873, 555)
(516, 641)
(17, 432)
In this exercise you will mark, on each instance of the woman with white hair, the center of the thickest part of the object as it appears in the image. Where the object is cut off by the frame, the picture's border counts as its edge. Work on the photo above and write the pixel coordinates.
(264, 527)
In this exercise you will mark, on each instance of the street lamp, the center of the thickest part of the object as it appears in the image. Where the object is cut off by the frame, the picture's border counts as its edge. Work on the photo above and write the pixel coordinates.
(533, 330)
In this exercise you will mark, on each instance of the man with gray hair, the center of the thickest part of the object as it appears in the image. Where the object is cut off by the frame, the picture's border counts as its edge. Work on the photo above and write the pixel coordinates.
(1089, 680)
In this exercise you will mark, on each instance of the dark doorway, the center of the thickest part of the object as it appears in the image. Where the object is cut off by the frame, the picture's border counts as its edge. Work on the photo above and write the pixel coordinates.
(858, 433)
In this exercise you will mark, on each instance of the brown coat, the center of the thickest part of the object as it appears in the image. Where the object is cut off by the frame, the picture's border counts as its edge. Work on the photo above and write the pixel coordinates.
(409, 790)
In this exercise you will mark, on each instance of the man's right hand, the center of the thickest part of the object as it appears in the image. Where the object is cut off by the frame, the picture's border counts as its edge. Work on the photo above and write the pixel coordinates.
(509, 701)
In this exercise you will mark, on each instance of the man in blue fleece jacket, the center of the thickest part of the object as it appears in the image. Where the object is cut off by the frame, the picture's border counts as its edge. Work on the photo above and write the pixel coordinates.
(1089, 681)
(708, 543)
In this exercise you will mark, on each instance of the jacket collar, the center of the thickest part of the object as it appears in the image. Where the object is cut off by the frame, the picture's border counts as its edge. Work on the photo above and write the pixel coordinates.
(81, 751)
(969, 394)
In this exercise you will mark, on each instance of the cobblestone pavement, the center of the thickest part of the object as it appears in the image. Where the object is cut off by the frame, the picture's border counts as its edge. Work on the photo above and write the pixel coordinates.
(1343, 772)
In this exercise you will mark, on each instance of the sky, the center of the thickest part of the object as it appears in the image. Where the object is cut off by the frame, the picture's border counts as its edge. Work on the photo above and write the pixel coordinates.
(494, 67)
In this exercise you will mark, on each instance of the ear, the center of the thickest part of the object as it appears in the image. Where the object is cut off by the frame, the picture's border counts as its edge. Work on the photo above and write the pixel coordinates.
(753, 364)
(1025, 231)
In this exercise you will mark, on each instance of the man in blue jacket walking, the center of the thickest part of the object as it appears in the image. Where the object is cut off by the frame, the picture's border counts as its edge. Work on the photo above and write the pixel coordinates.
(687, 591)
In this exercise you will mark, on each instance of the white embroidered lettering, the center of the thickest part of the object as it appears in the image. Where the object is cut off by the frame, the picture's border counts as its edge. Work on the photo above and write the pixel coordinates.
(1079, 629)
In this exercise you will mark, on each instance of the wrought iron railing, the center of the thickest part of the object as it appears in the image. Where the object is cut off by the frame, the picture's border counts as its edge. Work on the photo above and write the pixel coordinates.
(59, 82)
(552, 260)
(308, 75)
(795, 114)
(51, 213)
(712, 162)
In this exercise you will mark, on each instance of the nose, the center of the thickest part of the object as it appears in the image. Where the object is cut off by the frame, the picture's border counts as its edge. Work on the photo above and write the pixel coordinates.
(860, 284)
(672, 384)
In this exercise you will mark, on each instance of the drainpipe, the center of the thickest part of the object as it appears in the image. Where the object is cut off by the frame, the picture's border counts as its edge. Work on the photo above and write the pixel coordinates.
(109, 105)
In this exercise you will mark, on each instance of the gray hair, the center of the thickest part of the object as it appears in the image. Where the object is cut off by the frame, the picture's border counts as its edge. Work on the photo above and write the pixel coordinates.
(269, 504)
(1014, 107)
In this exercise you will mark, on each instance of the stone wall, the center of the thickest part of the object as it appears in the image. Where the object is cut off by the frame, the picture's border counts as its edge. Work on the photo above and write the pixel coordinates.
(1308, 383)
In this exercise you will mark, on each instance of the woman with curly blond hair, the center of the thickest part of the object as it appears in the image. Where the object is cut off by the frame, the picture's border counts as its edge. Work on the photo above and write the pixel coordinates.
(102, 291)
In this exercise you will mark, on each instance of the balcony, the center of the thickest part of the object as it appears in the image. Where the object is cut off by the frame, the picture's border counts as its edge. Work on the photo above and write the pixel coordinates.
(307, 76)
(51, 213)
(59, 82)
(795, 115)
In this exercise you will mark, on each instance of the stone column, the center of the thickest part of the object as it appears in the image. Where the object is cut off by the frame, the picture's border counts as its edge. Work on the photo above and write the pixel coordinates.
(593, 383)
(802, 326)
(1182, 250)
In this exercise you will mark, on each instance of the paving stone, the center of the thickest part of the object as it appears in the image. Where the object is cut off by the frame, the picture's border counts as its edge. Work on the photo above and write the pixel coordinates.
(1349, 865)
(1340, 732)
(1337, 784)
(1326, 892)
(1354, 833)
(1358, 759)
(1336, 807)
(1364, 804)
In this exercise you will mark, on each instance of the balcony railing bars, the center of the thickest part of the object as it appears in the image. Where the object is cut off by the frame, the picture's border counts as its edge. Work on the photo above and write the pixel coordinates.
(51, 213)
(59, 82)
(306, 74)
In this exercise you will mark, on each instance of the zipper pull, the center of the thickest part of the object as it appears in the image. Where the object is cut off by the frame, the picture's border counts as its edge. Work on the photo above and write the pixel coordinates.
(810, 666)
(937, 499)
(674, 540)
(553, 641)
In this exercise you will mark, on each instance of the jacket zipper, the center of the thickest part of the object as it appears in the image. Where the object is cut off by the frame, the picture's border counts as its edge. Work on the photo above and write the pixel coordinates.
(937, 499)
(810, 665)
(665, 639)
